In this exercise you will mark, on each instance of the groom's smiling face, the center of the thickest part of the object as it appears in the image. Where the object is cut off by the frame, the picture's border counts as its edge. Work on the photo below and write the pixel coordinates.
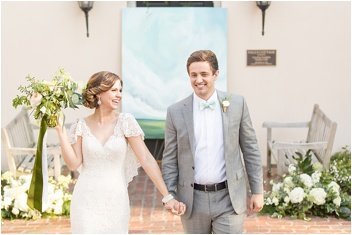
(202, 79)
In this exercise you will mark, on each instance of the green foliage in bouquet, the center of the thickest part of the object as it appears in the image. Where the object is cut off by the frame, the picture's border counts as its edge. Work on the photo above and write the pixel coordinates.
(309, 189)
(14, 194)
(47, 99)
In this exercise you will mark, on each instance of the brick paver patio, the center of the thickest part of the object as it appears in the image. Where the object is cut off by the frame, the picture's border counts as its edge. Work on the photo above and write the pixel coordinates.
(148, 216)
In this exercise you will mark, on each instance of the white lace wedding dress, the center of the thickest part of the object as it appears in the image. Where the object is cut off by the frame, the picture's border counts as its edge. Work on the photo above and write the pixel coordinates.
(100, 202)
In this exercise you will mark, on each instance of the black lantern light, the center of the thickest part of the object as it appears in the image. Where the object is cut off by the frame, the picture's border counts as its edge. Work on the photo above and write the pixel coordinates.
(263, 5)
(86, 6)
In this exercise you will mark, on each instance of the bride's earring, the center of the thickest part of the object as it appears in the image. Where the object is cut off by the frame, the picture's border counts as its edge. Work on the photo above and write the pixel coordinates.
(99, 101)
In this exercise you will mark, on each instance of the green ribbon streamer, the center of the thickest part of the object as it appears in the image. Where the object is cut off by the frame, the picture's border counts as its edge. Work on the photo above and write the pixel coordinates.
(35, 191)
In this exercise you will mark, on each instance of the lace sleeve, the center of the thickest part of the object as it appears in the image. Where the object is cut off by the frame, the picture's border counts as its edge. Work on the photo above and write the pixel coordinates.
(131, 128)
(131, 165)
(75, 131)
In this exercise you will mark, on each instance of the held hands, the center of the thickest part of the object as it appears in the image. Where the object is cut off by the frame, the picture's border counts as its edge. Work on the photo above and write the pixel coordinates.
(176, 207)
(256, 203)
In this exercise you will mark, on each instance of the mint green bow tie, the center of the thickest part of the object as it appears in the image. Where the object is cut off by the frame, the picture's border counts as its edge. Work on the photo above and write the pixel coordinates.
(207, 105)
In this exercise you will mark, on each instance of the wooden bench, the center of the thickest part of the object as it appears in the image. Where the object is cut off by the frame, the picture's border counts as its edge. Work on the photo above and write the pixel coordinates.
(20, 147)
(320, 139)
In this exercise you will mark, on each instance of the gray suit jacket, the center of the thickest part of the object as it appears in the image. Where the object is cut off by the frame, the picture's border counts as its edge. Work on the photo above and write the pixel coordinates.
(239, 135)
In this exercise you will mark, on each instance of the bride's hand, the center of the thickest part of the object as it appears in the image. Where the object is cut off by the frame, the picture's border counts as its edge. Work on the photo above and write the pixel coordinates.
(60, 119)
(176, 207)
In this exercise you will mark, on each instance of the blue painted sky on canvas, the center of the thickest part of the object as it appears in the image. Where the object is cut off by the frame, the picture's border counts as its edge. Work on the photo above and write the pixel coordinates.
(156, 43)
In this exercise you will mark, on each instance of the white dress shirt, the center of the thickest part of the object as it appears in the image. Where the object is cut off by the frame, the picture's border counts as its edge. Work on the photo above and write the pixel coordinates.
(209, 157)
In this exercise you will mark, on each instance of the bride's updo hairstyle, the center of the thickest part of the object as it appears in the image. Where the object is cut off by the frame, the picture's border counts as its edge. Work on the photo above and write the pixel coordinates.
(98, 83)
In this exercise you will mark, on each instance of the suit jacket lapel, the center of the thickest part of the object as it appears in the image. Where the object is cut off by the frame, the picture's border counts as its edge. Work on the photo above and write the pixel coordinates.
(188, 118)
(225, 120)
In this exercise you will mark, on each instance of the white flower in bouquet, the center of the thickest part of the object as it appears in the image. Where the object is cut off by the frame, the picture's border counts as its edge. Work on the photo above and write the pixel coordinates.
(287, 190)
(276, 187)
(335, 187)
(306, 180)
(7, 176)
(51, 189)
(58, 194)
(337, 201)
(297, 195)
(58, 208)
(81, 86)
(318, 196)
(35, 99)
(286, 199)
(316, 177)
(21, 202)
(15, 211)
(67, 197)
(291, 169)
(14, 183)
(6, 202)
(25, 178)
(64, 181)
(317, 166)
(288, 181)
(268, 201)
(9, 193)
(275, 201)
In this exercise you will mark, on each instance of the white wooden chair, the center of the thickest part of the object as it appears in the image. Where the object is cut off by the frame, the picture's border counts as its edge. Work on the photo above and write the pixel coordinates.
(320, 139)
(20, 146)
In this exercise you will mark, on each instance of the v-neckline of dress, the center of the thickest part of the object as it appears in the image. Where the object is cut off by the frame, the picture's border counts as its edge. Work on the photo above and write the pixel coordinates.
(108, 139)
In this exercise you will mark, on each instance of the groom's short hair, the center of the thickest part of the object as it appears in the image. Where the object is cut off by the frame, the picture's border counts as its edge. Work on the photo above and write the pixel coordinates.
(204, 55)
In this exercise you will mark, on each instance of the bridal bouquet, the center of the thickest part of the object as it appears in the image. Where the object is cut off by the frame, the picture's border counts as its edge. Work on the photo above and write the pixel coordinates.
(46, 99)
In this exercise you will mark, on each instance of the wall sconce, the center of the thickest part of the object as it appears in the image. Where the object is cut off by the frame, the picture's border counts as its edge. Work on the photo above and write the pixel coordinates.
(263, 5)
(86, 6)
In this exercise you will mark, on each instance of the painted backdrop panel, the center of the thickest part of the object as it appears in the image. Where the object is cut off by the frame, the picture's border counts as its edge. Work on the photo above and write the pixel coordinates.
(156, 43)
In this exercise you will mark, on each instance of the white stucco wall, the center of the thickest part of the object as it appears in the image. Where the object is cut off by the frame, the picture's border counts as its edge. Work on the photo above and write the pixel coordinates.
(312, 40)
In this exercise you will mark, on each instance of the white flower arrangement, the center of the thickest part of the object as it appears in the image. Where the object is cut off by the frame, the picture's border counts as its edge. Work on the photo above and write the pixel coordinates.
(311, 190)
(296, 195)
(14, 194)
(318, 196)
(306, 180)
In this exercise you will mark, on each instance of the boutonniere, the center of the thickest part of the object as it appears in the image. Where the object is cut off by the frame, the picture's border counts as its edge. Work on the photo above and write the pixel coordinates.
(225, 103)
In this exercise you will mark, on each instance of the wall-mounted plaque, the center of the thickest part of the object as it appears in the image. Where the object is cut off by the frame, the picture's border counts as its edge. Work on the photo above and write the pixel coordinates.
(261, 57)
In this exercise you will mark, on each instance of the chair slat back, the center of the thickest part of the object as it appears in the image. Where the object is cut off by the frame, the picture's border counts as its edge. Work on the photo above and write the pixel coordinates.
(321, 128)
(20, 132)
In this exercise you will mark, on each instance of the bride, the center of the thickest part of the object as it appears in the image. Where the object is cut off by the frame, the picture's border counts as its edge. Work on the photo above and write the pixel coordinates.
(108, 147)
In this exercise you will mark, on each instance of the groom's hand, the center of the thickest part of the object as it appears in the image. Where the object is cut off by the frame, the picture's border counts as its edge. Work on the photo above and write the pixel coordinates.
(256, 202)
(176, 207)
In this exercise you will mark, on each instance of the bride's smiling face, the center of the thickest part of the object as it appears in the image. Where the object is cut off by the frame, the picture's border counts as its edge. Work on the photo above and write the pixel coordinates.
(112, 97)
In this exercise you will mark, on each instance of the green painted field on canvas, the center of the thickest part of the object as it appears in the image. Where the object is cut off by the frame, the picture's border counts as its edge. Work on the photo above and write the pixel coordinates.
(153, 129)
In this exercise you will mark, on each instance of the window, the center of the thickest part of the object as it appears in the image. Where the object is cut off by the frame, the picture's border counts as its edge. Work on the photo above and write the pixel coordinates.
(174, 4)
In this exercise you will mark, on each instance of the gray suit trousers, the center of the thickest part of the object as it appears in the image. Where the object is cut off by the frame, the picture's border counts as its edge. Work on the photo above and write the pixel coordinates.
(213, 213)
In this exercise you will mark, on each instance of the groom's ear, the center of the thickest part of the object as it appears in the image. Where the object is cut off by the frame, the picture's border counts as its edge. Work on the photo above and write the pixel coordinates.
(216, 74)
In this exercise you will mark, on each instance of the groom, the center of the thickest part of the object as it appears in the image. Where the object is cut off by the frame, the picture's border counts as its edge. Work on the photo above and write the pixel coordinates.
(202, 164)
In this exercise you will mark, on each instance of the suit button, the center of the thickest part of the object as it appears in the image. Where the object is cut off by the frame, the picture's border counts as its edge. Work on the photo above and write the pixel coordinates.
(193, 167)
(192, 185)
